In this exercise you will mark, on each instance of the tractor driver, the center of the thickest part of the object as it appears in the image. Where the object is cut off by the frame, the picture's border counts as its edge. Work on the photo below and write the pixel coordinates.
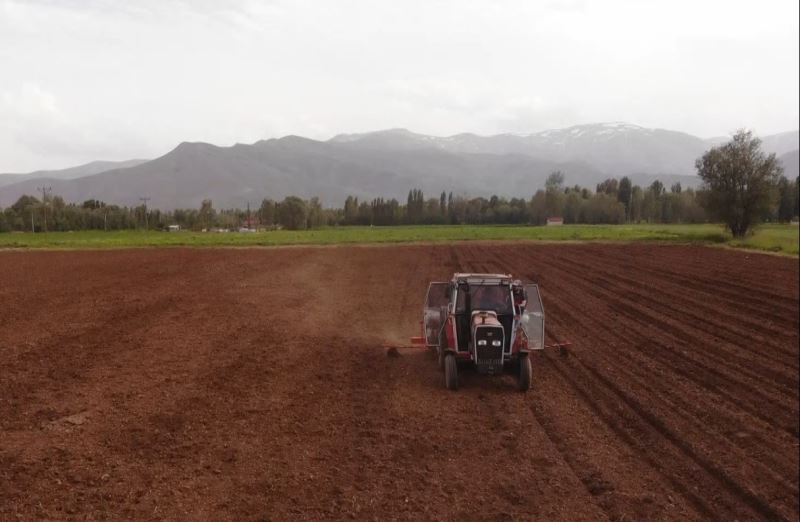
(519, 297)
(495, 297)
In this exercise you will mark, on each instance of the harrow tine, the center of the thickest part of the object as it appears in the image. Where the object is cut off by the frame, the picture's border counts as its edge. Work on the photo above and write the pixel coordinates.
(561, 346)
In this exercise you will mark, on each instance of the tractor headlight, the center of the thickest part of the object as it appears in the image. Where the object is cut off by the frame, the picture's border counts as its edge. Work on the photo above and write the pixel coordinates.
(482, 342)
(497, 343)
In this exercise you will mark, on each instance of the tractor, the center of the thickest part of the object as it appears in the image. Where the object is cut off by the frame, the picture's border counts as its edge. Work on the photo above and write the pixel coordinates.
(489, 321)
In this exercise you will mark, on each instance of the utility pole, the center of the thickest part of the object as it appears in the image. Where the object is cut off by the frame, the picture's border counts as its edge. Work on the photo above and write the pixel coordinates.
(45, 191)
(145, 200)
(248, 215)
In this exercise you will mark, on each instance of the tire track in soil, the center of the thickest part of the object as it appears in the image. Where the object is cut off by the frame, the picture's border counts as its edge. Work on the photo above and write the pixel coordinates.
(724, 427)
(593, 401)
(745, 270)
(703, 316)
(651, 320)
(764, 303)
(689, 363)
(711, 371)
(609, 421)
(751, 500)
(728, 424)
(699, 413)
(732, 300)
(470, 263)
(592, 481)
(230, 423)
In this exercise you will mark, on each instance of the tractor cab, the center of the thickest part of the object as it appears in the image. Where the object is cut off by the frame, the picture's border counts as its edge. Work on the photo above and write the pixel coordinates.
(484, 296)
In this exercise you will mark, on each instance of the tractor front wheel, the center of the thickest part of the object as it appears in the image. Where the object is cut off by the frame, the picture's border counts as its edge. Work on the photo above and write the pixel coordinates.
(525, 373)
(450, 372)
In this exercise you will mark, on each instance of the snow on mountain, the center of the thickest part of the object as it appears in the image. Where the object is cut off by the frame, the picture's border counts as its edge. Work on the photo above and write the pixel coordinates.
(390, 162)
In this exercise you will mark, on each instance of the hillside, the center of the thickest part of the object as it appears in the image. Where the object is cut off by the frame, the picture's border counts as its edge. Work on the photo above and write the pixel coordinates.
(94, 167)
(234, 176)
(618, 148)
(387, 164)
(791, 164)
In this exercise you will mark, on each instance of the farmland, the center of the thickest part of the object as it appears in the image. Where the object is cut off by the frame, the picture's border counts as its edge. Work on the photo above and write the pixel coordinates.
(189, 383)
(771, 237)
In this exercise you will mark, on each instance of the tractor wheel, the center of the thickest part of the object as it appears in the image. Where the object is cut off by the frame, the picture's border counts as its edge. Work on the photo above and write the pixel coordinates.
(450, 372)
(440, 357)
(525, 373)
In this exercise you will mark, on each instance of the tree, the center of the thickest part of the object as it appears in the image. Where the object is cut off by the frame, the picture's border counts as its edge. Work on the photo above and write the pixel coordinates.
(315, 215)
(786, 197)
(739, 180)
(538, 208)
(657, 188)
(624, 195)
(451, 208)
(24, 208)
(637, 204)
(267, 212)
(796, 192)
(610, 186)
(206, 214)
(652, 204)
(415, 207)
(554, 195)
(572, 207)
(292, 213)
(554, 181)
(350, 210)
(93, 204)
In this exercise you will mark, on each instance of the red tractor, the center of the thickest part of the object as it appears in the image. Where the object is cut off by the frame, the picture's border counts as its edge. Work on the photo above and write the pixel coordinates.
(487, 320)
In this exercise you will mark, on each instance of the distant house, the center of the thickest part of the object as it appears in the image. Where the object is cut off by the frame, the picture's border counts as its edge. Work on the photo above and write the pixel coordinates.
(174, 228)
(555, 220)
(249, 223)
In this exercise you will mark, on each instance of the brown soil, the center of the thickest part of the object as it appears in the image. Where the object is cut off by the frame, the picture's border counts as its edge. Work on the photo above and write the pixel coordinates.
(253, 384)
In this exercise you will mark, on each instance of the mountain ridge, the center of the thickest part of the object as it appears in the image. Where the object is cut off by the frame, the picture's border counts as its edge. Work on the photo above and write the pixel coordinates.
(86, 169)
(388, 163)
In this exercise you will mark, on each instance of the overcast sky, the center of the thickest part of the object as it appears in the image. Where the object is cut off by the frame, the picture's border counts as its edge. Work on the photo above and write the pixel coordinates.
(98, 79)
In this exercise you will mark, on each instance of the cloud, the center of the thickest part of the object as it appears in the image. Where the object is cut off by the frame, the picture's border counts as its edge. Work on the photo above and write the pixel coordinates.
(86, 78)
(35, 127)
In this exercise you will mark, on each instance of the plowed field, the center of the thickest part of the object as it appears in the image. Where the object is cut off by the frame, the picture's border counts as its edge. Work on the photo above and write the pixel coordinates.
(252, 384)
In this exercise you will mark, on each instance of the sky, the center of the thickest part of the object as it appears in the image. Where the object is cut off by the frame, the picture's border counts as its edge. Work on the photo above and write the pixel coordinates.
(83, 80)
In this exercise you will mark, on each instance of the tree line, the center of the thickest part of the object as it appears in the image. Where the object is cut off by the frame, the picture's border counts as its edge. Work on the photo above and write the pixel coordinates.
(741, 186)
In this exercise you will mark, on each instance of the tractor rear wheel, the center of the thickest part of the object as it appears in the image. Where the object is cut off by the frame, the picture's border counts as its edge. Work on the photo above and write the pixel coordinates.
(525, 373)
(450, 372)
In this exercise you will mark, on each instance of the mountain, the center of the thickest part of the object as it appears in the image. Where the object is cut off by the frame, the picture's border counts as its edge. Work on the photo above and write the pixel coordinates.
(95, 167)
(389, 163)
(616, 148)
(233, 176)
(791, 164)
(781, 143)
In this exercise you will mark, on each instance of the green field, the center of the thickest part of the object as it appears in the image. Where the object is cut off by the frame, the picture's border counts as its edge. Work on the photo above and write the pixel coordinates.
(773, 238)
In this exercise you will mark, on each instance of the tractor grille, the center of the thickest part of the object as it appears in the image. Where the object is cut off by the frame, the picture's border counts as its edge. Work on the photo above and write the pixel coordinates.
(488, 358)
